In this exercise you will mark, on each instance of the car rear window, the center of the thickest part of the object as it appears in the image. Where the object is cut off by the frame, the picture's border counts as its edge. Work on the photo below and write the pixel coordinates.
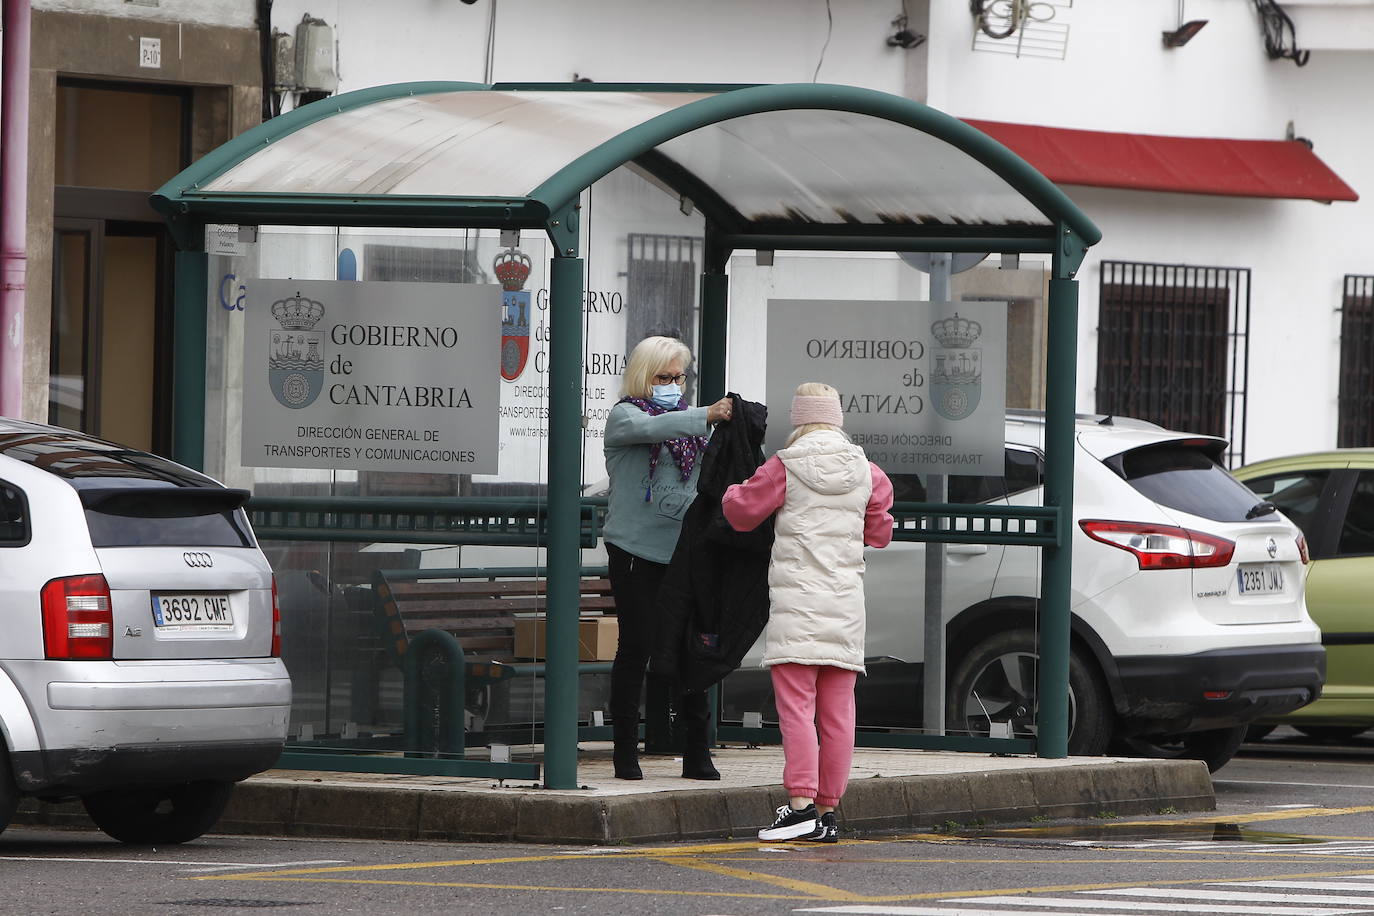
(165, 516)
(134, 498)
(1187, 477)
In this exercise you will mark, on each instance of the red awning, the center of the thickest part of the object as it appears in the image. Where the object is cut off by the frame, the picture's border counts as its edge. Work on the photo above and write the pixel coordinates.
(1191, 165)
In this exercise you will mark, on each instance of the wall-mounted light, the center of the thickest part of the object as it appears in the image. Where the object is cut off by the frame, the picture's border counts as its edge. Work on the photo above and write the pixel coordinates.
(1184, 33)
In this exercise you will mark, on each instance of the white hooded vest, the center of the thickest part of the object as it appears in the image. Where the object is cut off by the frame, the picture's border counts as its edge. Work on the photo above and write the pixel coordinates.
(815, 580)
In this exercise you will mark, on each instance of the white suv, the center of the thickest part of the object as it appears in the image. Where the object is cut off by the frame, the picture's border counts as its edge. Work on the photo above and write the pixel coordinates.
(139, 636)
(1188, 618)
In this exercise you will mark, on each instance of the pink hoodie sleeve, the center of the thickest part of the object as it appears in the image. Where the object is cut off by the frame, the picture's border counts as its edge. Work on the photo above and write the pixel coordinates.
(746, 505)
(877, 520)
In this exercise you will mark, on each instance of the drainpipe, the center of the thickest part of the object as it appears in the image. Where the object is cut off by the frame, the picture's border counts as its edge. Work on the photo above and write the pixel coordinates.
(14, 176)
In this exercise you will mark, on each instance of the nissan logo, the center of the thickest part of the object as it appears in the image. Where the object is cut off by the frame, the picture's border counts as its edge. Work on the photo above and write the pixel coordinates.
(198, 558)
(1272, 548)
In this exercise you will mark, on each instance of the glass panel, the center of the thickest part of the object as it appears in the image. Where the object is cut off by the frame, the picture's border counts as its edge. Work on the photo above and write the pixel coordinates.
(148, 128)
(1188, 478)
(128, 354)
(814, 166)
(343, 644)
(1297, 495)
(71, 310)
(1357, 531)
(980, 595)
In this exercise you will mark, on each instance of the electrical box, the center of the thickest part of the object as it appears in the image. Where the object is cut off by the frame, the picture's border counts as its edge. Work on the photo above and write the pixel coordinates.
(283, 61)
(315, 56)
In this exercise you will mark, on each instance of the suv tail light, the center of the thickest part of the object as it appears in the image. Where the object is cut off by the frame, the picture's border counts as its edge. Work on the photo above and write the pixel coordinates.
(77, 620)
(276, 621)
(1302, 550)
(1162, 546)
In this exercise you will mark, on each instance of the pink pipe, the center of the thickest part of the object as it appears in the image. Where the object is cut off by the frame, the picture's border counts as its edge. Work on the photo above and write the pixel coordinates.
(14, 176)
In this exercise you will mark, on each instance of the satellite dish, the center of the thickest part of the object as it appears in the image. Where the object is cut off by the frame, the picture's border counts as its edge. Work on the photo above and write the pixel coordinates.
(959, 262)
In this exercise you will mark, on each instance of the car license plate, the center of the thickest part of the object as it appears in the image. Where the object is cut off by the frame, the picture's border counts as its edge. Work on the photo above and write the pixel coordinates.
(193, 612)
(1260, 578)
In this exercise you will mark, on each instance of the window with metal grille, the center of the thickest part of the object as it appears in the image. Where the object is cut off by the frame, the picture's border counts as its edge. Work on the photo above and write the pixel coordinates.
(1355, 423)
(661, 275)
(1173, 347)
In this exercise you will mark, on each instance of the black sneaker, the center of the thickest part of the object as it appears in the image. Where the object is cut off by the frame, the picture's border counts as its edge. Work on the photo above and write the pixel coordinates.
(827, 831)
(791, 824)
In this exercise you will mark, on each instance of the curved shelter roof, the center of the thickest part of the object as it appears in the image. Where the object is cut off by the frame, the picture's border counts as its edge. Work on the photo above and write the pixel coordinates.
(782, 160)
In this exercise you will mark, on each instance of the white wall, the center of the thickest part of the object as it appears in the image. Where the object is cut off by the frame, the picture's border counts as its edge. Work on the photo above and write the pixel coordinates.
(1115, 76)
(240, 14)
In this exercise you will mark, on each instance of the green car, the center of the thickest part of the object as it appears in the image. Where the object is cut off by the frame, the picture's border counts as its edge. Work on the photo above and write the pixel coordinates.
(1330, 496)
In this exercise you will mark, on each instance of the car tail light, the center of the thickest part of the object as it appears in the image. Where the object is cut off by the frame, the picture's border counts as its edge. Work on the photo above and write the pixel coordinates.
(276, 621)
(77, 620)
(1162, 546)
(1302, 550)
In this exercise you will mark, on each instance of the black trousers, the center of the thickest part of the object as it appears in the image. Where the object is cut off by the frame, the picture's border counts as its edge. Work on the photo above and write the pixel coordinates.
(635, 582)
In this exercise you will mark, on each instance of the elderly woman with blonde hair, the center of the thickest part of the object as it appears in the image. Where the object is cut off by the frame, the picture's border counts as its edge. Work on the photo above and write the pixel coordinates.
(652, 446)
(830, 502)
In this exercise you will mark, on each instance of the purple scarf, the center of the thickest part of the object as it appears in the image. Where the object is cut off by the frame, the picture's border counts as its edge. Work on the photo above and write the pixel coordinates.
(684, 450)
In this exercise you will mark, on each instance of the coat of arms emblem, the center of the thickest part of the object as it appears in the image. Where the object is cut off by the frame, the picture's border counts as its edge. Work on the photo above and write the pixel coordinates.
(295, 358)
(956, 381)
(512, 268)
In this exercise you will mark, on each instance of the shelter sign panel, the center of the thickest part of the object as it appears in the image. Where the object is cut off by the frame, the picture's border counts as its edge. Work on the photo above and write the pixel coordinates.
(371, 376)
(923, 385)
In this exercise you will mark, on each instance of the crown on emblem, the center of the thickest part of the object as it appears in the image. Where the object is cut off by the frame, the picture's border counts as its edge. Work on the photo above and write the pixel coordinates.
(512, 268)
(297, 312)
(956, 333)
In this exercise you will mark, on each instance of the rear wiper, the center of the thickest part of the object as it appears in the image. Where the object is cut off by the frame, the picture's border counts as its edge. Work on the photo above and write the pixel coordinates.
(1261, 508)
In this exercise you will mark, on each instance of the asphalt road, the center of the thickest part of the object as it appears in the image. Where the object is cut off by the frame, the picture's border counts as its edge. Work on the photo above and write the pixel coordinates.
(1293, 836)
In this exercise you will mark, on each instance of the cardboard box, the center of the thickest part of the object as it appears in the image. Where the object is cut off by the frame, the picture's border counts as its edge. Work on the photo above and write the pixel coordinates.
(596, 638)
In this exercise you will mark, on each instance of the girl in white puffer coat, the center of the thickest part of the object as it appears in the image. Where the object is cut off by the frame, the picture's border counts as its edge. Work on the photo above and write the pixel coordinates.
(830, 502)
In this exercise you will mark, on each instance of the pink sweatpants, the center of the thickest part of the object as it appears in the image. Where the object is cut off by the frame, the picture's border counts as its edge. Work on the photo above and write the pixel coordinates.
(816, 717)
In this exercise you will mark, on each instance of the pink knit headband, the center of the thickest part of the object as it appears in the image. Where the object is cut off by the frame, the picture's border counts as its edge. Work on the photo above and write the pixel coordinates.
(816, 409)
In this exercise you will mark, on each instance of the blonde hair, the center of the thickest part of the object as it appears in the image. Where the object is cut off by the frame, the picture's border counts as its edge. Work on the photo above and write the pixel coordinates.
(650, 357)
(813, 390)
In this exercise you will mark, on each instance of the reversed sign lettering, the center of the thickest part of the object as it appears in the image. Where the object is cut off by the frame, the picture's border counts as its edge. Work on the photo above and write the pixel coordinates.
(922, 384)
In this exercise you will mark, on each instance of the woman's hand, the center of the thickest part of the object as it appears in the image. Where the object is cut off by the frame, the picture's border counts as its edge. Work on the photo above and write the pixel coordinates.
(720, 410)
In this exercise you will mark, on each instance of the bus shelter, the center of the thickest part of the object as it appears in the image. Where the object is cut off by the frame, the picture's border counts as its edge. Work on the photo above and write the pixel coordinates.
(769, 168)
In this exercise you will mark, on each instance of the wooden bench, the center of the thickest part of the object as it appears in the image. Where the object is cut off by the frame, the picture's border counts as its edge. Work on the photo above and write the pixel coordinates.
(478, 608)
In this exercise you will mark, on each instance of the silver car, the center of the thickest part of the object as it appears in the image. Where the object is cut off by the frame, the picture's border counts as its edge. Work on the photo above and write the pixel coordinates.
(140, 663)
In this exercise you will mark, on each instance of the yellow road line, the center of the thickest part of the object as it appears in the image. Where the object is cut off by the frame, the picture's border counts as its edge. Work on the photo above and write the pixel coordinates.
(930, 895)
(821, 891)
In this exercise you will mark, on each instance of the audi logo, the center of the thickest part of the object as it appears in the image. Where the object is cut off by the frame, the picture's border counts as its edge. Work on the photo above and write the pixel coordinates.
(198, 558)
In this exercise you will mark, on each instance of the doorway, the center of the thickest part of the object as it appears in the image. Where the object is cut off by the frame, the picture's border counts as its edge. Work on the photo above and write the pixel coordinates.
(111, 333)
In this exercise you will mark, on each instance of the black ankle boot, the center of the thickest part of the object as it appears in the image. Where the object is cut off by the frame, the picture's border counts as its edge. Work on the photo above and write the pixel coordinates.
(696, 764)
(695, 717)
(625, 757)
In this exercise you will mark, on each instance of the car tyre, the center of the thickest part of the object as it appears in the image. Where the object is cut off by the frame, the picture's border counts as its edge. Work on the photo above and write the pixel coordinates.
(1332, 732)
(1214, 747)
(159, 815)
(9, 792)
(996, 680)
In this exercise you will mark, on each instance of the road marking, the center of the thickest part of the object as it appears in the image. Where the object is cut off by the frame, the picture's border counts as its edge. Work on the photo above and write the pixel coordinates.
(1171, 906)
(1265, 782)
(1174, 893)
(822, 891)
(203, 866)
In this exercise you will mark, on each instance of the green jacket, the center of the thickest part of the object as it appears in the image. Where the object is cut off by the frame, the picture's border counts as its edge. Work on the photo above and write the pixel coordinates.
(648, 528)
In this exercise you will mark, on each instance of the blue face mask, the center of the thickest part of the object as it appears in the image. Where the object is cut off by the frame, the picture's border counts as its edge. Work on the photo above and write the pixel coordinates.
(667, 395)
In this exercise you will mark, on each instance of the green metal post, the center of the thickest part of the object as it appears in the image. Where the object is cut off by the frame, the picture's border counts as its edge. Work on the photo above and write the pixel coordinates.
(1057, 561)
(188, 362)
(565, 484)
(715, 291)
